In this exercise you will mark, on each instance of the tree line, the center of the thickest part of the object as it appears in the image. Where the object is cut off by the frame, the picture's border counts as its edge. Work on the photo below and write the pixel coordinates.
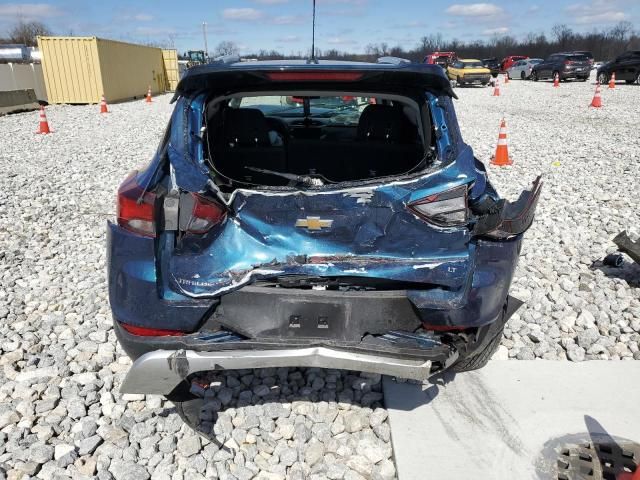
(605, 44)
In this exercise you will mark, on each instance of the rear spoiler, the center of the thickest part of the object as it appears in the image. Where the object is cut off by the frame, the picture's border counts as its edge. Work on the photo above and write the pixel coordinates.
(391, 74)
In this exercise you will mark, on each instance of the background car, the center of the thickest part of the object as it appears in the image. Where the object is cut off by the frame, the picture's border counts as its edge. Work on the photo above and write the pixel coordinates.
(565, 65)
(626, 66)
(507, 62)
(522, 68)
(586, 53)
(493, 65)
(469, 72)
(444, 59)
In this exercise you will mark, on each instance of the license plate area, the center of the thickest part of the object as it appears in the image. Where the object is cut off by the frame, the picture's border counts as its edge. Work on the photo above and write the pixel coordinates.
(318, 319)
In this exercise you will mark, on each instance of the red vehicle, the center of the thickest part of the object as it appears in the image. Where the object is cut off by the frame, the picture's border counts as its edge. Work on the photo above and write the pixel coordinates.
(507, 62)
(441, 58)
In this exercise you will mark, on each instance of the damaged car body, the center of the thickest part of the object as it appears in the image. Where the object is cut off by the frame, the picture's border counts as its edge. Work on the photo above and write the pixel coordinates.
(326, 215)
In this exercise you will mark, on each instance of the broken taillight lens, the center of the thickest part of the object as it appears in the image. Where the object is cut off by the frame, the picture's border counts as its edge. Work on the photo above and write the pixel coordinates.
(205, 214)
(136, 208)
(445, 209)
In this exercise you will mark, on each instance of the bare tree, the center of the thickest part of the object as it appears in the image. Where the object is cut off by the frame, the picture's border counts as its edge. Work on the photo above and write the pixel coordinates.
(226, 47)
(27, 32)
(563, 35)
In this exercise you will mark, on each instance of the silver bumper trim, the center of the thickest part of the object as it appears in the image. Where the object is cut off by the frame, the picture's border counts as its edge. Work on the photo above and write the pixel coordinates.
(160, 371)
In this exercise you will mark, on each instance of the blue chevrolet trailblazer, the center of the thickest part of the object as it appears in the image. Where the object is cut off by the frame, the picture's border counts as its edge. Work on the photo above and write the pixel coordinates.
(311, 214)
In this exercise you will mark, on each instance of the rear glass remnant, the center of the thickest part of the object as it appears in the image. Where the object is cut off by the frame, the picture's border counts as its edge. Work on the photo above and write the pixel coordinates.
(313, 139)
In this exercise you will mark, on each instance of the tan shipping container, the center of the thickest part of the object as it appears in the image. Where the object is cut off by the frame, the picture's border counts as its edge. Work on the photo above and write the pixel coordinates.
(81, 69)
(170, 58)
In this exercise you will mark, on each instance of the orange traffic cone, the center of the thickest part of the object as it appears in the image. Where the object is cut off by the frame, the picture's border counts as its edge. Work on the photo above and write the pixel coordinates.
(556, 80)
(501, 157)
(496, 88)
(44, 125)
(612, 81)
(506, 78)
(103, 105)
(597, 99)
(148, 99)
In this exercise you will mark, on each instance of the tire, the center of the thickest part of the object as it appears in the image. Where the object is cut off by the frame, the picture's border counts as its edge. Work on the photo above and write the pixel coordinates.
(189, 412)
(603, 78)
(479, 359)
(638, 78)
(522, 76)
(534, 76)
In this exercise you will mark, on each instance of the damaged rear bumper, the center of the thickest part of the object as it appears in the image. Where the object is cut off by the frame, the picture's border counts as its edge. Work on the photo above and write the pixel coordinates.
(162, 371)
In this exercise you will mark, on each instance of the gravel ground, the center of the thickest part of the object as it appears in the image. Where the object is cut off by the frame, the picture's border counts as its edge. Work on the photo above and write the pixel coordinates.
(589, 158)
(60, 368)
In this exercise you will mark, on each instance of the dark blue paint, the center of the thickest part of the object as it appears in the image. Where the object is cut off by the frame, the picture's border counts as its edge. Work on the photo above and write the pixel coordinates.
(133, 287)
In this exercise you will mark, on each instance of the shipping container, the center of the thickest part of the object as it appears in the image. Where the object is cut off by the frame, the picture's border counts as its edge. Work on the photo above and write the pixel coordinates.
(170, 58)
(82, 69)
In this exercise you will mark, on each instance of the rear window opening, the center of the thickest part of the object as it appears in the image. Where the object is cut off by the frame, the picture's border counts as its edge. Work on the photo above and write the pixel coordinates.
(314, 138)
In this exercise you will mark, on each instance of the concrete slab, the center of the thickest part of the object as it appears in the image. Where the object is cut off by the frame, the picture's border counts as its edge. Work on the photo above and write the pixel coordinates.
(507, 420)
(18, 101)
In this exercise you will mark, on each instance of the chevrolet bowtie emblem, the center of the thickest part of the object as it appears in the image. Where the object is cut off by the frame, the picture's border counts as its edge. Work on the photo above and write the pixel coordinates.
(313, 223)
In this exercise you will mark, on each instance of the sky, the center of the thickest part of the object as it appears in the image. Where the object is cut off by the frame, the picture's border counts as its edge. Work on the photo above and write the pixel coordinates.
(285, 25)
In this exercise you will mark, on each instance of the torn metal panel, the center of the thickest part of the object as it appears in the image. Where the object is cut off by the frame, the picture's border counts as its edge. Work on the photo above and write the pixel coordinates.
(327, 233)
(184, 148)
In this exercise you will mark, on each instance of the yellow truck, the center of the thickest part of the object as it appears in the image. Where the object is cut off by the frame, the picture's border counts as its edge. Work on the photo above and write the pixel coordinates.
(468, 72)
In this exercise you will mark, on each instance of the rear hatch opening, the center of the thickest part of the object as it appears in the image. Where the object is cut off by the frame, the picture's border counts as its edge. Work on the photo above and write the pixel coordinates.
(314, 138)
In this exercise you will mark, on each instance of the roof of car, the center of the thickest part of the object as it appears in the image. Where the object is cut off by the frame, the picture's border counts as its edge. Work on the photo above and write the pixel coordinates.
(231, 73)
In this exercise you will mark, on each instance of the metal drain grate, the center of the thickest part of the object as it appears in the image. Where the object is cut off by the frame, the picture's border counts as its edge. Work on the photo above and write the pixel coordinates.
(598, 461)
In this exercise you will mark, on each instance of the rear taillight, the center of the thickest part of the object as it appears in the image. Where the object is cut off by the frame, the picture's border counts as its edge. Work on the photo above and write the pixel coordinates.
(136, 208)
(150, 332)
(445, 209)
(205, 214)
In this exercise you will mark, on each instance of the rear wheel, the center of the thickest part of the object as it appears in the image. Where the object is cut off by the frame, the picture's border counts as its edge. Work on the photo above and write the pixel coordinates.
(189, 412)
(478, 358)
(481, 358)
(534, 76)
(603, 78)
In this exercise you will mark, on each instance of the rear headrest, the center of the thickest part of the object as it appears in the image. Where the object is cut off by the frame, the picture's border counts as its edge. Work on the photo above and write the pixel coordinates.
(385, 122)
(245, 126)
